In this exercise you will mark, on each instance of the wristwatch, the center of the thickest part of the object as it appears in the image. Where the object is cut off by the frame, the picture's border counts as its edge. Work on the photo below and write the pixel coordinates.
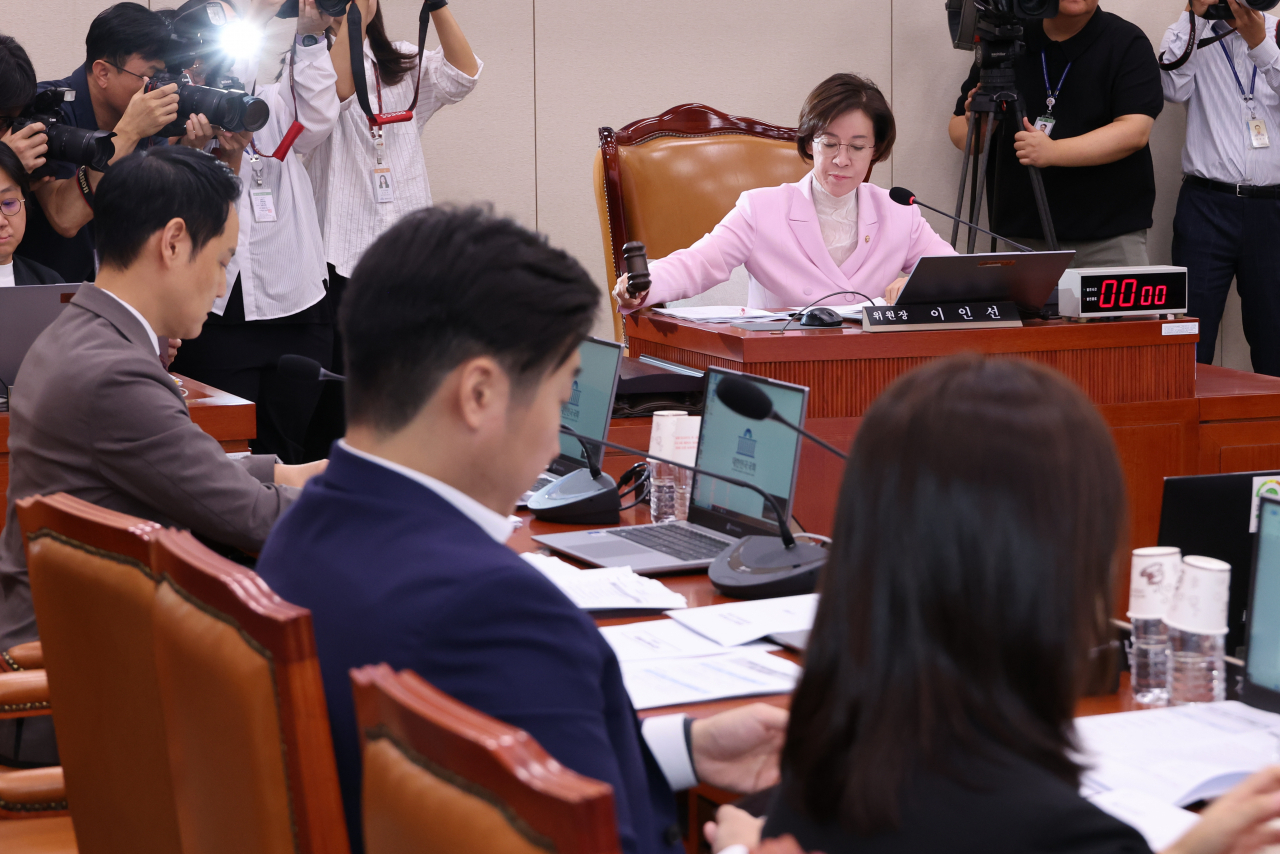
(307, 40)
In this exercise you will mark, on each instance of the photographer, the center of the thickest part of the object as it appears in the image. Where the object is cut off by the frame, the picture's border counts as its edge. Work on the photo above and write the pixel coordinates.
(360, 195)
(1091, 80)
(125, 46)
(1229, 208)
(17, 88)
(275, 300)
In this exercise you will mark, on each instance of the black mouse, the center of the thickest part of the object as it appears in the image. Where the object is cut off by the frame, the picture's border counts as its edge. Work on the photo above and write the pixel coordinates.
(820, 315)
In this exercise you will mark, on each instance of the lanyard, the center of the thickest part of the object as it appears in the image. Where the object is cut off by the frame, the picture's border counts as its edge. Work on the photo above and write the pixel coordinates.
(1052, 93)
(1253, 85)
(377, 120)
(291, 135)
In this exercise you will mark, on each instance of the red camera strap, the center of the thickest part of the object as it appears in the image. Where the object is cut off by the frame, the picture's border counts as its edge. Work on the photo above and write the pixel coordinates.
(355, 35)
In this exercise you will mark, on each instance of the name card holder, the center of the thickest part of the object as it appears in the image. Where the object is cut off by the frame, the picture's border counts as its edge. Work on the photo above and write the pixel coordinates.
(952, 315)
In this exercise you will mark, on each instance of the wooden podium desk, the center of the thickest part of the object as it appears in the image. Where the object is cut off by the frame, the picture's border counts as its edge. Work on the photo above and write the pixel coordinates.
(229, 419)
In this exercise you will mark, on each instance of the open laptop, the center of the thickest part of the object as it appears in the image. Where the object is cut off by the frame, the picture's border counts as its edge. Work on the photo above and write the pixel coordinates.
(762, 452)
(588, 411)
(1026, 278)
(1213, 515)
(25, 312)
(1262, 663)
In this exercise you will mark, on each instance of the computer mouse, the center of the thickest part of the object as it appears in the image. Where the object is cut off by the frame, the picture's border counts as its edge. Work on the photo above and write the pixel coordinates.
(820, 315)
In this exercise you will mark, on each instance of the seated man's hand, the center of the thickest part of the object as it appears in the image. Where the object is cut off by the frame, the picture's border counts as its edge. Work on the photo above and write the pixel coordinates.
(174, 344)
(299, 475)
(732, 827)
(738, 750)
(894, 290)
(625, 300)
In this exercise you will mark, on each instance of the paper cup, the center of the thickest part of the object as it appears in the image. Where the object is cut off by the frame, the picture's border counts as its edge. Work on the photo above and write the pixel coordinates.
(662, 436)
(686, 440)
(1152, 577)
(1199, 602)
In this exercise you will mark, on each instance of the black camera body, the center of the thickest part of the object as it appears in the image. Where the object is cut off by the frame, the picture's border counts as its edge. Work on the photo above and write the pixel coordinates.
(1222, 11)
(332, 8)
(67, 143)
(225, 105)
(987, 21)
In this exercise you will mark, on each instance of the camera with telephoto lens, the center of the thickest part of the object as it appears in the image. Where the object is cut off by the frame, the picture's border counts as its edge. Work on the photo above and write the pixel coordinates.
(1221, 11)
(332, 8)
(228, 108)
(993, 27)
(70, 144)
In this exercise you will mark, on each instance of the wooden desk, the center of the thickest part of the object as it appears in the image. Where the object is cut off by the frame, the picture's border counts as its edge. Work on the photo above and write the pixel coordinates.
(1239, 420)
(229, 419)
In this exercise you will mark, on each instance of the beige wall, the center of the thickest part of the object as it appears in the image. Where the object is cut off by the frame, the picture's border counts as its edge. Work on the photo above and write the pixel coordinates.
(556, 70)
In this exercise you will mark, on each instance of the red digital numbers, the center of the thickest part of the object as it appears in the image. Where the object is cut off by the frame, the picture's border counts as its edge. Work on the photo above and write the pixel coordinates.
(1162, 293)
(1128, 292)
(1108, 297)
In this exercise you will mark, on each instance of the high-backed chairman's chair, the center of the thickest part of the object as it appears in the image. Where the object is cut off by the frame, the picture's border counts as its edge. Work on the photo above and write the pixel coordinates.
(440, 777)
(249, 743)
(667, 180)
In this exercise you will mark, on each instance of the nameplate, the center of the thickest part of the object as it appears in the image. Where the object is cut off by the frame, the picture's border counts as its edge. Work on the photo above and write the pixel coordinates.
(1180, 329)
(954, 315)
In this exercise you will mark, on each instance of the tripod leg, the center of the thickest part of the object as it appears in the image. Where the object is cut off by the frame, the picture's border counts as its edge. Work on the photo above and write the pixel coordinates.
(1042, 200)
(964, 170)
(982, 179)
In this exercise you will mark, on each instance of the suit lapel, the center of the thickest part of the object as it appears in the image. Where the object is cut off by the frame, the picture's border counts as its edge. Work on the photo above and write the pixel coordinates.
(803, 219)
(868, 226)
(94, 299)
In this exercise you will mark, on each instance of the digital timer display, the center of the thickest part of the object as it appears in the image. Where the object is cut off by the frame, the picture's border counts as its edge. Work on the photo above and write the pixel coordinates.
(1139, 292)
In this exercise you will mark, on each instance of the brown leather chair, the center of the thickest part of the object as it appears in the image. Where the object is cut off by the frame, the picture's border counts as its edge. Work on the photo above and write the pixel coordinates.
(249, 742)
(35, 792)
(667, 180)
(440, 777)
(94, 595)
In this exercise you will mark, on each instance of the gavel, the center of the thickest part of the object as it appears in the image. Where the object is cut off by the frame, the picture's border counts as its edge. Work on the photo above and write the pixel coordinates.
(637, 268)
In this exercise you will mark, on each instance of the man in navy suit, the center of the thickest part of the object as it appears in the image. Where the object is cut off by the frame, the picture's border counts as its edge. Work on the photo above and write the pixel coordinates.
(461, 333)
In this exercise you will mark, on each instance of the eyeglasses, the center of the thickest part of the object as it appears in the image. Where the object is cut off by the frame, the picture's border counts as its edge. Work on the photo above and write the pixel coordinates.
(829, 146)
(124, 70)
(10, 207)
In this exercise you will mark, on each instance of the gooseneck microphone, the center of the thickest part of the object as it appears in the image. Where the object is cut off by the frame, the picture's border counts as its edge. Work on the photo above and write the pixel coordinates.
(300, 368)
(905, 197)
(750, 401)
(638, 281)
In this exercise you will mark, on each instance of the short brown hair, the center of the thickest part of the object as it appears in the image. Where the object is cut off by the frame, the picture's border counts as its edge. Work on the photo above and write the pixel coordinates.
(837, 95)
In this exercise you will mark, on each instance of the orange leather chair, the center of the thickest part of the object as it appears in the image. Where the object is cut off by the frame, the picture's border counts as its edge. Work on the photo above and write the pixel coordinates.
(249, 742)
(667, 180)
(440, 777)
(94, 595)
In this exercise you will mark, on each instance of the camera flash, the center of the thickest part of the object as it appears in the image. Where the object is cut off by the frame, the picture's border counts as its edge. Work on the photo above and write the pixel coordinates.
(241, 40)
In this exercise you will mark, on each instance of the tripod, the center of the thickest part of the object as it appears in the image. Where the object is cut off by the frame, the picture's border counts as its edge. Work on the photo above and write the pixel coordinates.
(996, 94)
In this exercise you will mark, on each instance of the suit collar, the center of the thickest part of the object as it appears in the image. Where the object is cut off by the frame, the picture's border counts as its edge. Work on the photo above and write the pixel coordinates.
(113, 310)
(803, 217)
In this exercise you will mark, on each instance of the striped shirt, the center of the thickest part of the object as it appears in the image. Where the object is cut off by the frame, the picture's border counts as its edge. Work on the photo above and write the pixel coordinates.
(342, 166)
(281, 263)
(1217, 145)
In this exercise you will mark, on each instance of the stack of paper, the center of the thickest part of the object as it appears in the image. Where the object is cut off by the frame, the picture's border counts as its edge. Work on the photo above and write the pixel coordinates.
(664, 639)
(675, 681)
(1161, 824)
(612, 589)
(742, 622)
(718, 313)
(853, 312)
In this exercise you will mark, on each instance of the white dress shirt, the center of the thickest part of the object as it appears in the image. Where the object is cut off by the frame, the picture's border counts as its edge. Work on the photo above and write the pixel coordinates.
(151, 333)
(1217, 144)
(342, 166)
(838, 219)
(281, 264)
(6, 275)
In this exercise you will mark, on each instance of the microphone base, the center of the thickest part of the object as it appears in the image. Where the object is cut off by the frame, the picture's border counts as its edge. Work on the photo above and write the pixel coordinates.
(759, 567)
(578, 499)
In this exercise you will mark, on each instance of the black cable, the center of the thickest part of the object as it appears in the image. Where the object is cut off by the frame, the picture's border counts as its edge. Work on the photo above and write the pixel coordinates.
(820, 299)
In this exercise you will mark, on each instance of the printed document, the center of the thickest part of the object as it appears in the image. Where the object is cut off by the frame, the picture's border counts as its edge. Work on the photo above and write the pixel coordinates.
(663, 639)
(611, 589)
(676, 681)
(1160, 823)
(737, 623)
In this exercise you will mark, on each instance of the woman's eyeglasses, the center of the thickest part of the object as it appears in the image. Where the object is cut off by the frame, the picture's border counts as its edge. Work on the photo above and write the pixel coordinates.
(829, 146)
(10, 207)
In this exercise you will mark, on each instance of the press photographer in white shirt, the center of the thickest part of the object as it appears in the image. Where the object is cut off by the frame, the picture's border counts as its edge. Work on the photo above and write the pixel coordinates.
(362, 189)
(276, 284)
(1228, 215)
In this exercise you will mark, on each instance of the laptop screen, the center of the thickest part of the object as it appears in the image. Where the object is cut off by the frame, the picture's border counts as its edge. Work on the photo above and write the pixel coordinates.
(765, 453)
(1263, 666)
(590, 405)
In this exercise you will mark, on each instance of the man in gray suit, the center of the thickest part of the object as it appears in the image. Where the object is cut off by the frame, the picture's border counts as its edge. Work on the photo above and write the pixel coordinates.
(95, 415)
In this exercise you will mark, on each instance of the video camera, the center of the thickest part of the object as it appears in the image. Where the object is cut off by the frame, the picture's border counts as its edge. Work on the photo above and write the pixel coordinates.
(70, 144)
(1222, 12)
(992, 27)
(200, 34)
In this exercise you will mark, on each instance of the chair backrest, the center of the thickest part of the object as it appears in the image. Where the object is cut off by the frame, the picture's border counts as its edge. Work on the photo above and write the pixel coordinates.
(249, 742)
(667, 180)
(94, 596)
(441, 777)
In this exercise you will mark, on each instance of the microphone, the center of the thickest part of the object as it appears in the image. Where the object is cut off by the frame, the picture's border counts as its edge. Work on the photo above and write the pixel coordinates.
(750, 401)
(905, 197)
(302, 369)
(637, 268)
(757, 566)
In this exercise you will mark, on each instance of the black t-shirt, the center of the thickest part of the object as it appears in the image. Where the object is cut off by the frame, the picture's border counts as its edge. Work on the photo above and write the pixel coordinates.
(1113, 73)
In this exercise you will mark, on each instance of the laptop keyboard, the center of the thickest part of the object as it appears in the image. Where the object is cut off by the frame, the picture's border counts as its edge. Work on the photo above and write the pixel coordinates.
(678, 541)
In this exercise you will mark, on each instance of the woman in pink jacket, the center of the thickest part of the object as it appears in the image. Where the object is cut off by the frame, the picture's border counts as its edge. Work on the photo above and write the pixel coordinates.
(829, 231)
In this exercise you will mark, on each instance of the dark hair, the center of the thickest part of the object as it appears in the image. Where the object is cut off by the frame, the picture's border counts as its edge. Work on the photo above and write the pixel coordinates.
(141, 193)
(444, 286)
(969, 578)
(11, 165)
(834, 97)
(123, 30)
(17, 76)
(393, 64)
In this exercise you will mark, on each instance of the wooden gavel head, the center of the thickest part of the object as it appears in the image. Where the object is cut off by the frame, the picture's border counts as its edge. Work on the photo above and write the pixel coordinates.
(637, 265)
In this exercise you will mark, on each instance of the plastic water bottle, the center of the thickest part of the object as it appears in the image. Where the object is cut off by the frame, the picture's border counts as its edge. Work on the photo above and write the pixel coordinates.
(662, 492)
(1149, 662)
(1197, 667)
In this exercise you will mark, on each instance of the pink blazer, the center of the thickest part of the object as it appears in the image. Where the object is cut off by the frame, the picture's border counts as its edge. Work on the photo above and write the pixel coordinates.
(774, 231)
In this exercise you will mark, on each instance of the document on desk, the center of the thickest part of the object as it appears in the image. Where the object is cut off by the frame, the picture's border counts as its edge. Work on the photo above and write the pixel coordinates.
(1160, 823)
(737, 623)
(852, 312)
(665, 639)
(718, 313)
(611, 589)
(1181, 754)
(676, 681)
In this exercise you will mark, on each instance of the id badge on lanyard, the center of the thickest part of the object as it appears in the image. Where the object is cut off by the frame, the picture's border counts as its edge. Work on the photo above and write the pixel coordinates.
(384, 183)
(1257, 128)
(1045, 123)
